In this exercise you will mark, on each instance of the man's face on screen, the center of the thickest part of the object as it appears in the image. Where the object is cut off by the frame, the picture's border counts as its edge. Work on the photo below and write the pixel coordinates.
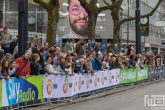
(78, 18)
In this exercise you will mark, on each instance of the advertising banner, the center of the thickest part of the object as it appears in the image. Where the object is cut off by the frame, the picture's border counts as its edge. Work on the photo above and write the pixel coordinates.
(0, 93)
(17, 90)
(127, 75)
(151, 72)
(142, 73)
(56, 86)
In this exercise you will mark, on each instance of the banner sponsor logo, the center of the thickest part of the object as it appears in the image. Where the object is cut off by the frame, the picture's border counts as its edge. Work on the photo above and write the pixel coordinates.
(110, 77)
(49, 86)
(65, 86)
(96, 80)
(102, 79)
(116, 76)
(87, 81)
(18, 92)
(80, 82)
(129, 75)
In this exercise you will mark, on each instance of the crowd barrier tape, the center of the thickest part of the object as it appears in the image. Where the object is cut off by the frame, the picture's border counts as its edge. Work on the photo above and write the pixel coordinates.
(16, 90)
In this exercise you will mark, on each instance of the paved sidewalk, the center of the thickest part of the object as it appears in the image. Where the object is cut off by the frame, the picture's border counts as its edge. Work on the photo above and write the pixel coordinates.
(92, 97)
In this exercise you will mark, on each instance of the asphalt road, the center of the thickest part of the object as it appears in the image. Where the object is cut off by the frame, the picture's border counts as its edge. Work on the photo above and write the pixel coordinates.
(127, 100)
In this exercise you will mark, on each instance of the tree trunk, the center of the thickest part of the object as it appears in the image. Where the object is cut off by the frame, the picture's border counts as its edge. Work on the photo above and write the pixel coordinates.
(116, 28)
(91, 26)
(53, 17)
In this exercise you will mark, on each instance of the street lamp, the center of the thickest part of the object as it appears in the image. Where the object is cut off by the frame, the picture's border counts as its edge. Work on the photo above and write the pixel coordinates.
(138, 38)
(128, 23)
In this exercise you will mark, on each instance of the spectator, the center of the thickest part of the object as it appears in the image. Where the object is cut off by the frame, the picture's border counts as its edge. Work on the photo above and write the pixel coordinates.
(46, 49)
(116, 50)
(8, 56)
(98, 62)
(69, 46)
(49, 67)
(81, 67)
(6, 69)
(13, 67)
(36, 68)
(15, 52)
(34, 39)
(41, 61)
(24, 64)
(1, 54)
(7, 40)
(13, 44)
(31, 45)
(113, 63)
(38, 44)
(64, 53)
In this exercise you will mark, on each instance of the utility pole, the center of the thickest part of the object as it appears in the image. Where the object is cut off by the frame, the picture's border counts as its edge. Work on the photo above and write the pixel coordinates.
(22, 26)
(138, 38)
(128, 24)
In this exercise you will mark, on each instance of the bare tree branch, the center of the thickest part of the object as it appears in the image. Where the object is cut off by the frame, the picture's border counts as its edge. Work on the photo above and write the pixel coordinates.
(84, 3)
(42, 3)
(109, 6)
(143, 16)
(106, 2)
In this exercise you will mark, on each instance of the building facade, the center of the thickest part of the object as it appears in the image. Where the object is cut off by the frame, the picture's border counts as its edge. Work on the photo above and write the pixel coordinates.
(37, 19)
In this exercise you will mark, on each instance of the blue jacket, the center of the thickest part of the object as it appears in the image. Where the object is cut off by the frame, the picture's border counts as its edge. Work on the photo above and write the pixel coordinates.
(97, 65)
(1, 76)
(93, 63)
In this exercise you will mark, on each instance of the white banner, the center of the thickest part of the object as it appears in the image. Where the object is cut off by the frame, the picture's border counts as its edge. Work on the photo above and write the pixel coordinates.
(56, 86)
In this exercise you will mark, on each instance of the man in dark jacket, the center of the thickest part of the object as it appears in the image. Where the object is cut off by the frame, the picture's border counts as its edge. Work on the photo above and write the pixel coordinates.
(41, 61)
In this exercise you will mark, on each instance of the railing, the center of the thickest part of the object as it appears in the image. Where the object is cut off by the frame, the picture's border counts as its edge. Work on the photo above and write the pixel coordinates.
(35, 90)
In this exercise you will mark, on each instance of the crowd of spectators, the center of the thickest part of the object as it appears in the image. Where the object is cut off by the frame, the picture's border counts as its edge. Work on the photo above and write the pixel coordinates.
(84, 56)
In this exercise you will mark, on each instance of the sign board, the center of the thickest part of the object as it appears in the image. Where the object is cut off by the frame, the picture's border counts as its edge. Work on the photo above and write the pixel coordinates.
(144, 28)
(146, 45)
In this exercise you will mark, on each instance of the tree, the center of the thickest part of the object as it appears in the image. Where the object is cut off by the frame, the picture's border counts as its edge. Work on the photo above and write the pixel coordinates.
(93, 10)
(52, 7)
(114, 7)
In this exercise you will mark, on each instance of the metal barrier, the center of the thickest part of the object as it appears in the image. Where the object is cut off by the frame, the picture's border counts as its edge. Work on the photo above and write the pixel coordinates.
(153, 73)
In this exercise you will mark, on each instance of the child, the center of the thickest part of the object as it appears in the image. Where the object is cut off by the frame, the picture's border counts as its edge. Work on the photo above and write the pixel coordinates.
(12, 67)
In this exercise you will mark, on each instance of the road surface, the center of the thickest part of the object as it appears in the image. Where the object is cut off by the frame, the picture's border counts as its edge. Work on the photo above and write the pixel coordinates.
(127, 100)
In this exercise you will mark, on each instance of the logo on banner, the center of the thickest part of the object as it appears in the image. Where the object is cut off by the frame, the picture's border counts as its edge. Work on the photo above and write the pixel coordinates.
(20, 90)
(49, 86)
(116, 76)
(95, 82)
(65, 86)
(102, 79)
(121, 77)
(74, 84)
(79, 84)
(110, 77)
(88, 81)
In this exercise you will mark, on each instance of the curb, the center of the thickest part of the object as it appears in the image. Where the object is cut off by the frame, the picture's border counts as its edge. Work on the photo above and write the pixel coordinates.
(104, 95)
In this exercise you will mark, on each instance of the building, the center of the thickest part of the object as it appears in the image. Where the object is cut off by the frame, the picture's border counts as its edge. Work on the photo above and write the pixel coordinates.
(37, 19)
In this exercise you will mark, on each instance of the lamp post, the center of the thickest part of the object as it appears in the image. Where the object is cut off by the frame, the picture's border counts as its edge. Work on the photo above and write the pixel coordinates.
(138, 38)
(128, 23)
(121, 13)
(22, 26)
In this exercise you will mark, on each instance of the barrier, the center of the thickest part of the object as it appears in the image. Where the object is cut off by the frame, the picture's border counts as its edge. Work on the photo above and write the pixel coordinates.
(66, 86)
(0, 93)
(18, 90)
